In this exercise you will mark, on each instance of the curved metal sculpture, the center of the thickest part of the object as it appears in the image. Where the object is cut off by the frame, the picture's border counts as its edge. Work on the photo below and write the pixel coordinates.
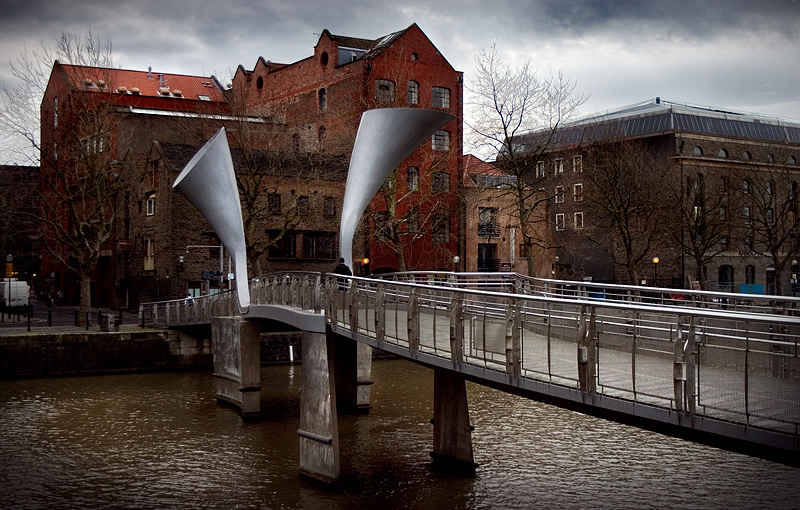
(209, 182)
(385, 138)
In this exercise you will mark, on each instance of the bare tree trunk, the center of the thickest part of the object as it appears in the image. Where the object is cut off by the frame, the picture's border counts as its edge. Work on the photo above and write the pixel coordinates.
(85, 297)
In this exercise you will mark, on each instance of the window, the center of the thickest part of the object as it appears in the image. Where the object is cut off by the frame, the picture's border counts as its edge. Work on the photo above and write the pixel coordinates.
(770, 188)
(412, 221)
(151, 205)
(440, 97)
(384, 91)
(55, 113)
(559, 194)
(318, 245)
(791, 160)
(274, 203)
(412, 92)
(203, 97)
(560, 221)
(697, 151)
(577, 164)
(578, 220)
(747, 215)
(770, 216)
(746, 155)
(329, 207)
(440, 181)
(412, 178)
(296, 142)
(746, 186)
(722, 153)
(559, 166)
(441, 228)
(723, 240)
(749, 275)
(577, 192)
(441, 140)
(282, 244)
(302, 205)
(149, 255)
(382, 224)
(540, 169)
(770, 158)
(323, 101)
(723, 213)
(487, 222)
(748, 244)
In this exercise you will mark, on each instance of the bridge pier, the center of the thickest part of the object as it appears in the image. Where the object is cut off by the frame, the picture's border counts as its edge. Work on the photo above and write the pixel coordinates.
(452, 432)
(319, 431)
(237, 372)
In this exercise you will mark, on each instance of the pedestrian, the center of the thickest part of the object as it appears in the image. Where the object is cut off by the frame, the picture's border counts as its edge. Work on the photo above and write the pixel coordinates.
(189, 300)
(342, 269)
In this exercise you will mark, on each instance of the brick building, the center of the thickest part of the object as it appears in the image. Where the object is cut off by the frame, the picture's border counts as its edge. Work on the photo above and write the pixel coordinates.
(491, 223)
(731, 190)
(98, 125)
(320, 100)
(291, 128)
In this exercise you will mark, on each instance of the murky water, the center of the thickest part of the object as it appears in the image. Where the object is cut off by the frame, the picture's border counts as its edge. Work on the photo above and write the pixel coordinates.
(161, 441)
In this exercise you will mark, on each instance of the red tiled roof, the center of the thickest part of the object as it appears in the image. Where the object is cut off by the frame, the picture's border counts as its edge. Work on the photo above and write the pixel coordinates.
(148, 83)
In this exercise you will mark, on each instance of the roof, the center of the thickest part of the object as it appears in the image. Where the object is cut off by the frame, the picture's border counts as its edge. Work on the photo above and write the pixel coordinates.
(657, 116)
(145, 83)
(478, 173)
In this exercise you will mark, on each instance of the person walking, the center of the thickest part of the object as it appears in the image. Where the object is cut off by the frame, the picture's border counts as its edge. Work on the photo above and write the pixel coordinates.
(342, 269)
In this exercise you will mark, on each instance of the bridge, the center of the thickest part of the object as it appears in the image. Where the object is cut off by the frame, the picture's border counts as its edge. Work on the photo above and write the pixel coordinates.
(713, 367)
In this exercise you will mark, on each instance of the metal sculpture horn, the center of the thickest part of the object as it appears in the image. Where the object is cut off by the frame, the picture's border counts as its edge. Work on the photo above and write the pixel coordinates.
(209, 182)
(385, 138)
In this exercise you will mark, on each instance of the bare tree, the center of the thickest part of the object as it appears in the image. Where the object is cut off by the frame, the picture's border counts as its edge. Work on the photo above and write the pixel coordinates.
(515, 115)
(626, 198)
(700, 219)
(81, 175)
(769, 212)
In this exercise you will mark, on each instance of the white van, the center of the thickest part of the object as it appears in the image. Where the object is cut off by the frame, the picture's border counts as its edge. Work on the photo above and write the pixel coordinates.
(14, 293)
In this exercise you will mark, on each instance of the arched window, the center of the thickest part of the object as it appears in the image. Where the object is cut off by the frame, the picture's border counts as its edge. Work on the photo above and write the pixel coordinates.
(323, 100)
(260, 83)
(324, 58)
(384, 90)
(722, 153)
(321, 137)
(412, 92)
(770, 158)
(725, 278)
(296, 142)
(791, 160)
(746, 155)
(698, 151)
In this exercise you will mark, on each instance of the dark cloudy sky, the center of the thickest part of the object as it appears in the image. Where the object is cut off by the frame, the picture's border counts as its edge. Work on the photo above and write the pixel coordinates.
(735, 54)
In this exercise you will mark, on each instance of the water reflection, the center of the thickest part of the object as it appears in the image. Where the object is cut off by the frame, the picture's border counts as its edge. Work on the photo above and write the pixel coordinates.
(160, 440)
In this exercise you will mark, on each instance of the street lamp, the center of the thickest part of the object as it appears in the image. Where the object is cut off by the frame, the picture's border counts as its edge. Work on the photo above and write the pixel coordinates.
(9, 274)
(181, 258)
(655, 271)
(456, 260)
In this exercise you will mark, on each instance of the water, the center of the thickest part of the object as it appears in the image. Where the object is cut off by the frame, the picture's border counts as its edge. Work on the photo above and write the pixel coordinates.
(161, 441)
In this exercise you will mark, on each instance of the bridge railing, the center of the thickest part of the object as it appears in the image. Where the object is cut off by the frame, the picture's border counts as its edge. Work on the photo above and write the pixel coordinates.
(734, 366)
(519, 284)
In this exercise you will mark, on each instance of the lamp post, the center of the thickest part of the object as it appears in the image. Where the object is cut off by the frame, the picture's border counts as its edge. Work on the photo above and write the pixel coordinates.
(794, 277)
(456, 260)
(9, 274)
(655, 271)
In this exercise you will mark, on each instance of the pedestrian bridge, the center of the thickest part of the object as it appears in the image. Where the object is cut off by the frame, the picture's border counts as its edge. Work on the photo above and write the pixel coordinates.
(714, 367)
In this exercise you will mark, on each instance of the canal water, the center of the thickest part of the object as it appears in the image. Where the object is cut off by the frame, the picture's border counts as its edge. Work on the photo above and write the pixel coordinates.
(148, 441)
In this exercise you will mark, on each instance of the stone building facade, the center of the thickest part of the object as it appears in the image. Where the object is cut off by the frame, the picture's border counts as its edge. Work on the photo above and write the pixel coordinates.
(731, 182)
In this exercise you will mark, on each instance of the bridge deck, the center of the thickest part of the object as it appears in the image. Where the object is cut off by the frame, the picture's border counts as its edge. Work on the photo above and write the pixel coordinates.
(716, 372)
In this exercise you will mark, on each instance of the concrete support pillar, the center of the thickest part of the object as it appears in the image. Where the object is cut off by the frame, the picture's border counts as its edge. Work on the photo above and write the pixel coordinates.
(237, 368)
(364, 377)
(452, 432)
(319, 431)
(353, 375)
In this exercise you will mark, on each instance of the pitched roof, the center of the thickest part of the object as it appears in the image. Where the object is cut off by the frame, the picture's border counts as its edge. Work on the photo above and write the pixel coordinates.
(147, 83)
